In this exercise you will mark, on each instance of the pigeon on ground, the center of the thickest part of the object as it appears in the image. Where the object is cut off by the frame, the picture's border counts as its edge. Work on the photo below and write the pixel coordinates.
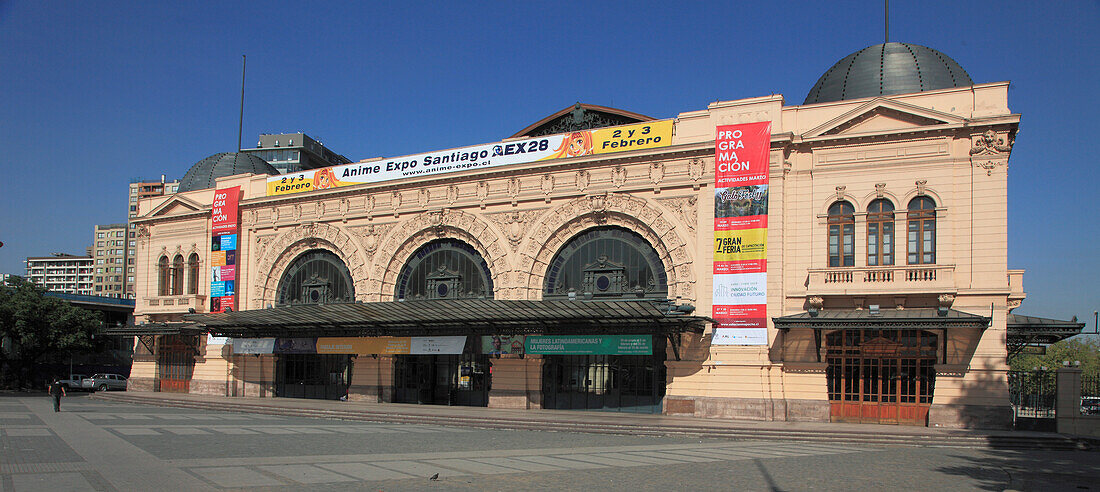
(434, 477)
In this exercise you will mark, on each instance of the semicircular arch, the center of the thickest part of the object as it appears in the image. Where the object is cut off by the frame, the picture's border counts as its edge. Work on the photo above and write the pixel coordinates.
(277, 256)
(637, 215)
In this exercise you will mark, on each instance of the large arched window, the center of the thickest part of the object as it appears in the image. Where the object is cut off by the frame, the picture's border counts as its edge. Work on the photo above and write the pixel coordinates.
(445, 269)
(316, 277)
(842, 234)
(175, 276)
(606, 262)
(162, 276)
(193, 274)
(922, 231)
(880, 233)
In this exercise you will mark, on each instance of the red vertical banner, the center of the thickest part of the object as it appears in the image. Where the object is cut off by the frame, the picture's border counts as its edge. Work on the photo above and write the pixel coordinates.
(740, 297)
(224, 228)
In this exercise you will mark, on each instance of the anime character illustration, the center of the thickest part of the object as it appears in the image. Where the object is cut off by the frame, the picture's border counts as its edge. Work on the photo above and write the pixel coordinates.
(324, 179)
(576, 144)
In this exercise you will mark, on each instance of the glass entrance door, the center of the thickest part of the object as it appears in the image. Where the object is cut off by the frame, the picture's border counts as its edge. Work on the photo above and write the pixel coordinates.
(316, 376)
(881, 376)
(618, 383)
(442, 379)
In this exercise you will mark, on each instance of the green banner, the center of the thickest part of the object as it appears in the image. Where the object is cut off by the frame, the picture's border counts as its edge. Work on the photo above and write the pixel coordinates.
(590, 345)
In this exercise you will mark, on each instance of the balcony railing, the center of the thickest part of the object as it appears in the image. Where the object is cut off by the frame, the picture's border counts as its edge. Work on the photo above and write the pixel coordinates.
(882, 280)
(173, 304)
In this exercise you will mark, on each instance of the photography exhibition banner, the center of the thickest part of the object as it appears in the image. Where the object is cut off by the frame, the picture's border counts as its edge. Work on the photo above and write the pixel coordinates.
(648, 135)
(224, 227)
(739, 303)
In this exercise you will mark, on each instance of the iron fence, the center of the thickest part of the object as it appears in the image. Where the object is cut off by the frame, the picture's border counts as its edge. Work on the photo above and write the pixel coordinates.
(1033, 394)
(1090, 395)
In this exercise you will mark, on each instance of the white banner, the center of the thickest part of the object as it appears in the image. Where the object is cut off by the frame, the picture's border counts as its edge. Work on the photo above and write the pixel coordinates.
(253, 345)
(437, 345)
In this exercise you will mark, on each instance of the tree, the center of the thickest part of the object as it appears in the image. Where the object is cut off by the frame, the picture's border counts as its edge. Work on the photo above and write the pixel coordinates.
(1085, 350)
(33, 325)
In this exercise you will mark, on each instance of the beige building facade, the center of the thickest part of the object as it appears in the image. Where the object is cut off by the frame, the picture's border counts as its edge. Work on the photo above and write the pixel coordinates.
(888, 285)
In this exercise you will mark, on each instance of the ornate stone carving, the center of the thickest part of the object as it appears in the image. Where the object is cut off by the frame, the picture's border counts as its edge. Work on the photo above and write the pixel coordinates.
(423, 197)
(583, 178)
(880, 189)
(395, 201)
(816, 302)
(452, 194)
(696, 169)
(513, 187)
(597, 205)
(840, 192)
(921, 183)
(547, 185)
(368, 204)
(685, 208)
(989, 166)
(482, 190)
(296, 212)
(437, 218)
(946, 300)
(514, 224)
(618, 176)
(989, 143)
(143, 230)
(1014, 303)
(657, 172)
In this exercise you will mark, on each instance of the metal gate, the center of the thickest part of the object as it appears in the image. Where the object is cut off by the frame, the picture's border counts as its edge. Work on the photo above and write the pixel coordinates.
(316, 376)
(175, 363)
(463, 380)
(1033, 395)
(619, 383)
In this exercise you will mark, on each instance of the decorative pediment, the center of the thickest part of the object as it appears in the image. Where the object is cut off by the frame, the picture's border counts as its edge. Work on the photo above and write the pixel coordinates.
(175, 205)
(883, 115)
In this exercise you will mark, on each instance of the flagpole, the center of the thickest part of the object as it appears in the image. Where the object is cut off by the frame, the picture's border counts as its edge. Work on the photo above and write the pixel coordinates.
(240, 125)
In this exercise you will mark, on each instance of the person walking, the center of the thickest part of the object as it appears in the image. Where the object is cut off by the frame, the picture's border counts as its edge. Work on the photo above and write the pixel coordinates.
(57, 390)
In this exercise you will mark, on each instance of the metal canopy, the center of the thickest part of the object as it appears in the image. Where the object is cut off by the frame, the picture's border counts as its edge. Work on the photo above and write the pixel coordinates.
(886, 319)
(156, 329)
(453, 317)
(1033, 330)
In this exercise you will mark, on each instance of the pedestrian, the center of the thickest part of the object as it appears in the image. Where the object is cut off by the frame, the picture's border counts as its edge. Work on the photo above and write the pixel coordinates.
(57, 390)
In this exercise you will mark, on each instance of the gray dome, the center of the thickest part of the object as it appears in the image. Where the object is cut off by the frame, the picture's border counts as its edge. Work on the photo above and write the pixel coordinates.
(884, 69)
(202, 175)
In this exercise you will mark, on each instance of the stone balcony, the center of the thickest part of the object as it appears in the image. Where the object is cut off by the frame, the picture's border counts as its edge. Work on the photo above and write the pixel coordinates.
(173, 304)
(903, 279)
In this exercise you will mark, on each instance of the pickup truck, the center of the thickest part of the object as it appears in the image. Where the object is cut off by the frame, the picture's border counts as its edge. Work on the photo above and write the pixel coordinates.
(104, 382)
(74, 382)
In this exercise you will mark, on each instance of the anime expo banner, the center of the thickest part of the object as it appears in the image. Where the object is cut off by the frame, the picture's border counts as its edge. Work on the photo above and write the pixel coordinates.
(647, 135)
(224, 220)
(741, 234)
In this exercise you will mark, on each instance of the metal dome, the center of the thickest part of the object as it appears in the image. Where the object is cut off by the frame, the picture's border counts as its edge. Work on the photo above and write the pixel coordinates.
(884, 69)
(203, 174)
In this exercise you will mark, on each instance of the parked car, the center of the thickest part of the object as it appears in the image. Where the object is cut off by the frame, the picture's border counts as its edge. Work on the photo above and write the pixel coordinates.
(104, 382)
(75, 381)
(1090, 405)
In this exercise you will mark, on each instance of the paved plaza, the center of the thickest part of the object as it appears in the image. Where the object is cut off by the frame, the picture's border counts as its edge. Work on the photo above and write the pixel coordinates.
(100, 445)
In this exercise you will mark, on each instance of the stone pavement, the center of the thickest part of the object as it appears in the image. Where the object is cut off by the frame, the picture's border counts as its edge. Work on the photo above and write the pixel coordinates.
(103, 444)
(615, 422)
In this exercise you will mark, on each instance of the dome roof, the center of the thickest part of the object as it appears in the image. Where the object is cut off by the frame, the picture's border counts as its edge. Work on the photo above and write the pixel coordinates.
(203, 174)
(884, 69)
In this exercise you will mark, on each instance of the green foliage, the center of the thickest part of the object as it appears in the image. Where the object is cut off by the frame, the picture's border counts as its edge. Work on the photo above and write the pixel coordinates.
(1085, 350)
(36, 325)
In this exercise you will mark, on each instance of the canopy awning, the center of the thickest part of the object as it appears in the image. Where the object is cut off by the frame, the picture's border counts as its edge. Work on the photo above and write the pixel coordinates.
(453, 317)
(176, 328)
(1035, 331)
(882, 319)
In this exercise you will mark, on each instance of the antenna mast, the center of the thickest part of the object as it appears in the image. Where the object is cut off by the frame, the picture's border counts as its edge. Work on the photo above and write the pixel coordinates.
(888, 22)
(240, 124)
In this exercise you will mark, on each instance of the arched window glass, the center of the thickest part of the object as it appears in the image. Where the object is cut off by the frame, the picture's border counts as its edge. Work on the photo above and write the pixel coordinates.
(175, 276)
(445, 269)
(880, 233)
(922, 231)
(193, 274)
(316, 277)
(162, 276)
(606, 262)
(842, 234)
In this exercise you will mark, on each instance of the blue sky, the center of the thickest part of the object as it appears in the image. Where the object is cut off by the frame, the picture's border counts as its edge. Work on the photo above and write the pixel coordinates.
(95, 94)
